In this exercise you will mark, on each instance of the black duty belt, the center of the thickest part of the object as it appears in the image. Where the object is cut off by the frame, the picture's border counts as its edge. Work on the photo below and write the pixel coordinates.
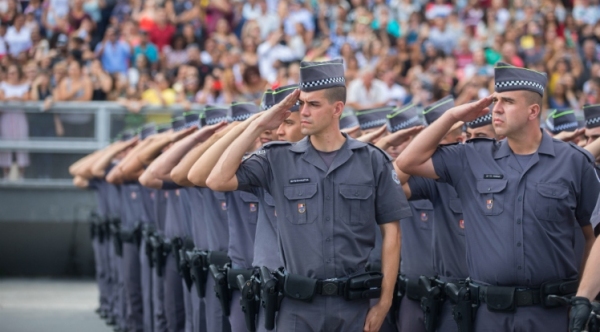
(362, 286)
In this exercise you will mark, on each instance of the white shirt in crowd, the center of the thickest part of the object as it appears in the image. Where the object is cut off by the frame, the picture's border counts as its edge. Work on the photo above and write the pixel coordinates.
(358, 93)
(17, 41)
(267, 56)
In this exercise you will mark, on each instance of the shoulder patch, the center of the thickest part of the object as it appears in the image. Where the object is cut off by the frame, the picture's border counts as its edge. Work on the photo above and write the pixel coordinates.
(387, 156)
(585, 152)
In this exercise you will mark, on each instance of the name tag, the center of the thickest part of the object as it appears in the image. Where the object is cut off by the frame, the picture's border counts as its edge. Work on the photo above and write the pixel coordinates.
(493, 176)
(295, 181)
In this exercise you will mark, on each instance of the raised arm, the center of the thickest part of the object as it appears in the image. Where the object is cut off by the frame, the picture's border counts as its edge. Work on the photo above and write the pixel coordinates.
(416, 159)
(99, 166)
(223, 176)
(152, 150)
(78, 167)
(205, 164)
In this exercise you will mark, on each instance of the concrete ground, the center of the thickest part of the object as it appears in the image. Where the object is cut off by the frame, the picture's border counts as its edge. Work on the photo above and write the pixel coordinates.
(28, 305)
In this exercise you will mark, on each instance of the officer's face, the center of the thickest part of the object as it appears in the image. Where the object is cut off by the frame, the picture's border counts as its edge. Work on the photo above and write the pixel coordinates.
(317, 114)
(592, 134)
(267, 136)
(512, 112)
(290, 129)
(453, 136)
(481, 132)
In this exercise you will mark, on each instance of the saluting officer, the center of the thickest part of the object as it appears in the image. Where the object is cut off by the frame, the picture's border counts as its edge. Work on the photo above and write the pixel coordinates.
(521, 197)
(482, 127)
(329, 190)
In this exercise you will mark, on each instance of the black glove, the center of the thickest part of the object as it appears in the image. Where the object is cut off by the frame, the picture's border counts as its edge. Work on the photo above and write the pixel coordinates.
(580, 313)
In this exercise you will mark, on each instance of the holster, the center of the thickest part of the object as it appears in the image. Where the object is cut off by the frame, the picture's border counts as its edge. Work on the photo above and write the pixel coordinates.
(463, 309)
(133, 236)
(431, 301)
(249, 300)
(184, 266)
(221, 288)
(218, 258)
(147, 234)
(96, 227)
(271, 294)
(232, 276)
(198, 263)
(594, 323)
(409, 288)
(115, 229)
(566, 288)
(176, 245)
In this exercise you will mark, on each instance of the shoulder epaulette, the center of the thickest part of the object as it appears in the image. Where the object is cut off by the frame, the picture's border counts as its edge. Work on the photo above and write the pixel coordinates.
(583, 151)
(481, 139)
(387, 156)
(275, 143)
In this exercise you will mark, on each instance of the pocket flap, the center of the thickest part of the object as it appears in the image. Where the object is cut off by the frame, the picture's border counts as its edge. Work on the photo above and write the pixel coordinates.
(300, 287)
(422, 204)
(491, 186)
(455, 205)
(552, 190)
(269, 200)
(248, 197)
(350, 191)
(219, 195)
(300, 191)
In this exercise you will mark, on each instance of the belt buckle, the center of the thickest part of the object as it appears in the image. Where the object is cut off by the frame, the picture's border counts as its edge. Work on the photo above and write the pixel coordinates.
(330, 288)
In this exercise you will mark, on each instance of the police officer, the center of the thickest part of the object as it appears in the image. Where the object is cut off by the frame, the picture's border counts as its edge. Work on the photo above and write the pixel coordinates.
(319, 245)
(592, 122)
(521, 197)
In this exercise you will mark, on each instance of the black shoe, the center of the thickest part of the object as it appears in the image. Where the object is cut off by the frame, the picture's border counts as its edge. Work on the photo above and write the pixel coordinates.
(111, 321)
(104, 314)
(118, 329)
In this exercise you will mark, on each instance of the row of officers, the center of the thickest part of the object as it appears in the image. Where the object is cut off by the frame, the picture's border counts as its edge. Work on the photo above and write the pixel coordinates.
(299, 215)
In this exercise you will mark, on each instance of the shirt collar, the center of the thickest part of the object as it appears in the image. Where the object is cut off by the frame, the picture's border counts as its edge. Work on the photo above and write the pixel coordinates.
(546, 147)
(304, 144)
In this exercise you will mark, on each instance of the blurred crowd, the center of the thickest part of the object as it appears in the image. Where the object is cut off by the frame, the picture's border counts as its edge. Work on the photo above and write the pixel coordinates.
(165, 52)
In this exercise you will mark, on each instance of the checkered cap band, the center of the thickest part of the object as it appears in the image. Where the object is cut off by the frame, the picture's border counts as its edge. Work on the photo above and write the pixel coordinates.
(565, 126)
(405, 124)
(373, 124)
(592, 121)
(527, 84)
(480, 120)
(193, 124)
(212, 121)
(241, 117)
(325, 81)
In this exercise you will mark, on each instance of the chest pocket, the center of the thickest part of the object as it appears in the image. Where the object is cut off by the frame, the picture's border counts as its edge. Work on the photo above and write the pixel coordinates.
(251, 206)
(270, 205)
(303, 206)
(355, 204)
(221, 201)
(458, 221)
(492, 198)
(549, 202)
(424, 213)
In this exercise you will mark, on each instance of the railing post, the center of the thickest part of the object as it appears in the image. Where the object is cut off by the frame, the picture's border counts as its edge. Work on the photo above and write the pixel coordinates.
(102, 127)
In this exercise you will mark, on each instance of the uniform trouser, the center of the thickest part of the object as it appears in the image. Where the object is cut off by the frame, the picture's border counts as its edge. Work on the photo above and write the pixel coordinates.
(109, 281)
(322, 314)
(410, 316)
(524, 319)
(187, 304)
(133, 288)
(159, 320)
(198, 308)
(446, 320)
(173, 300)
(388, 323)
(215, 320)
(119, 300)
(237, 320)
(100, 273)
(146, 285)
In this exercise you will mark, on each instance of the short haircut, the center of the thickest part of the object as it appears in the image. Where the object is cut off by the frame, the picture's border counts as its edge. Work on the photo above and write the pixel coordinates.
(533, 98)
(336, 94)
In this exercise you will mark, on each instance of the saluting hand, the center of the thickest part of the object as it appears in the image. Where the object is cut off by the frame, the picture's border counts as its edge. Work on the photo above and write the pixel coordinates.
(401, 136)
(272, 118)
(370, 137)
(207, 131)
(567, 136)
(350, 131)
(471, 111)
(176, 136)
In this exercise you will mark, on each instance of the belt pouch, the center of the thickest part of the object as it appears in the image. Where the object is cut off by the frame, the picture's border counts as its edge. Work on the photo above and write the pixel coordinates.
(299, 287)
(500, 299)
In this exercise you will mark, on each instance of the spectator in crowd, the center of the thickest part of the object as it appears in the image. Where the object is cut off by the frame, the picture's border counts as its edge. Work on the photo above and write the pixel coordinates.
(146, 48)
(13, 122)
(76, 86)
(18, 37)
(113, 53)
(367, 91)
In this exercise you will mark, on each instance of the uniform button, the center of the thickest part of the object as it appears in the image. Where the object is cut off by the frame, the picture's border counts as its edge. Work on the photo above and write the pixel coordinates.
(327, 218)
(518, 244)
(489, 189)
(300, 194)
(327, 197)
(356, 193)
(519, 221)
(519, 198)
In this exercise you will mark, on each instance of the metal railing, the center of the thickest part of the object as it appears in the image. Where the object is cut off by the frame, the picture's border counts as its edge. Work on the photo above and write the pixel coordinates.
(105, 116)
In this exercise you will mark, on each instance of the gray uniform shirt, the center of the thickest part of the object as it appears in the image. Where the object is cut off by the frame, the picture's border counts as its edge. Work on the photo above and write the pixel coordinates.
(100, 186)
(160, 209)
(132, 211)
(242, 216)
(448, 230)
(417, 256)
(519, 227)
(266, 250)
(326, 215)
(197, 219)
(215, 216)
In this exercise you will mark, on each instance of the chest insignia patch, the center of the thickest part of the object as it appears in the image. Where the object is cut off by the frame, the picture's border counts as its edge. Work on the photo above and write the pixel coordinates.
(424, 216)
(489, 204)
(301, 207)
(177, 192)
(461, 224)
(395, 177)
(275, 212)
(252, 207)
(133, 195)
(224, 206)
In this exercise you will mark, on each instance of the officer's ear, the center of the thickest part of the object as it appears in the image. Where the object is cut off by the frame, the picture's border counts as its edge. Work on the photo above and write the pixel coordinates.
(535, 111)
(338, 109)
